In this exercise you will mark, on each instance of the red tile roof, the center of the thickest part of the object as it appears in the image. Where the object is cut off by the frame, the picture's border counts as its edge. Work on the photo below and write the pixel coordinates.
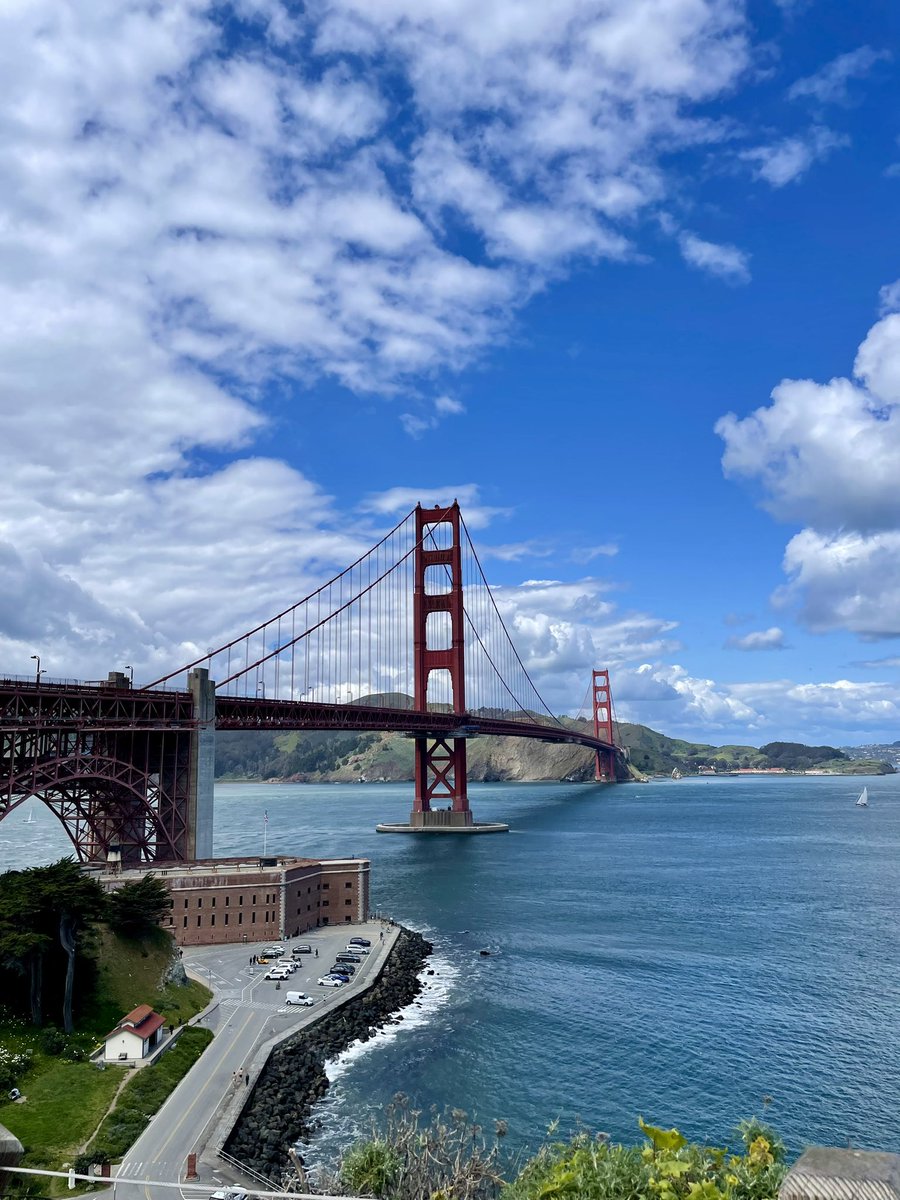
(141, 1021)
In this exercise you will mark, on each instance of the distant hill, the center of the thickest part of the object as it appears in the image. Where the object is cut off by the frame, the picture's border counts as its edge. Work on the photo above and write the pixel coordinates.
(328, 756)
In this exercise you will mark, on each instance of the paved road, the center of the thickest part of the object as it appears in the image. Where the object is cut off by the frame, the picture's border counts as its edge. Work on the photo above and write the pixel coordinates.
(249, 1012)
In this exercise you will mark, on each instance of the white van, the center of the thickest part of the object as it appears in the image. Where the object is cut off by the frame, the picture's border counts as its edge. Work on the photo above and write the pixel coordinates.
(298, 998)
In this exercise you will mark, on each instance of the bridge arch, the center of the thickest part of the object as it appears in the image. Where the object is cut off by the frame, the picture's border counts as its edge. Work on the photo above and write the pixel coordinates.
(101, 802)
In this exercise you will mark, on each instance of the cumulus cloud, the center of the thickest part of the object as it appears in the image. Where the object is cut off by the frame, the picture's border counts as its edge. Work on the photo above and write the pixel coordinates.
(760, 639)
(788, 159)
(727, 262)
(829, 85)
(198, 201)
(826, 456)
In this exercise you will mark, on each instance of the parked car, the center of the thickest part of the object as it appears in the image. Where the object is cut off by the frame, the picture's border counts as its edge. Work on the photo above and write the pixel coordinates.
(354, 949)
(344, 956)
(229, 1194)
(288, 964)
(298, 998)
(301, 949)
(273, 951)
(343, 969)
(277, 973)
(359, 941)
(330, 981)
(263, 960)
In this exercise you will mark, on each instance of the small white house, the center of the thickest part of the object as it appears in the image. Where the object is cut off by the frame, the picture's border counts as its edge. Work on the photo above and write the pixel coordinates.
(135, 1036)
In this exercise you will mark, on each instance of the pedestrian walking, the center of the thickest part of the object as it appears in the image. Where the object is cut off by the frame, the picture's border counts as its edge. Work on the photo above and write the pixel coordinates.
(247, 1080)
(317, 951)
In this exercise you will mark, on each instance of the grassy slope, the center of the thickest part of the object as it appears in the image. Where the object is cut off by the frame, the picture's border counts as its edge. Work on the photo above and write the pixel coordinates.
(65, 1102)
(129, 972)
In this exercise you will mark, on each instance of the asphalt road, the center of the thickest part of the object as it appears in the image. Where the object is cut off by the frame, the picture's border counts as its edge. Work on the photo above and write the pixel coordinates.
(250, 1011)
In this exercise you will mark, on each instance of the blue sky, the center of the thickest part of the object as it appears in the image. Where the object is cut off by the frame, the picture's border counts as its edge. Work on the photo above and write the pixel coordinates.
(271, 273)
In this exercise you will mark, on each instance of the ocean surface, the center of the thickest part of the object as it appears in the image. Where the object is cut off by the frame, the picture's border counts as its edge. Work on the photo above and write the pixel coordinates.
(695, 952)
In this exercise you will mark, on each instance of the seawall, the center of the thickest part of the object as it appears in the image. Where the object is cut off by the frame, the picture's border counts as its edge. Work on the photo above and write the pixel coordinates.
(277, 1113)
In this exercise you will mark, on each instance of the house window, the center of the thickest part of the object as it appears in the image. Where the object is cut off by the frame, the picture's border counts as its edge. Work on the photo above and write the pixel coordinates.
(213, 901)
(185, 922)
(325, 887)
(346, 902)
(254, 898)
(185, 902)
(199, 919)
(346, 885)
(324, 903)
(240, 918)
(212, 919)
(227, 901)
(226, 918)
(253, 918)
(200, 902)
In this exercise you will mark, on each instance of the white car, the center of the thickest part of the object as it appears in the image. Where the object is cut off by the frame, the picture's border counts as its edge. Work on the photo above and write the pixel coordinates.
(229, 1194)
(330, 981)
(298, 998)
(277, 973)
(288, 964)
(272, 951)
(355, 950)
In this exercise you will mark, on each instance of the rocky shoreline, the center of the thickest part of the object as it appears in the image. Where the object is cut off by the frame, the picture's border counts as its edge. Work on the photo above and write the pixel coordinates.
(277, 1114)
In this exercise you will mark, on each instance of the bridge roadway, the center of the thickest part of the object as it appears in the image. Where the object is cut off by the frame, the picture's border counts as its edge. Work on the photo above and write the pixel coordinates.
(247, 1019)
(93, 707)
(239, 713)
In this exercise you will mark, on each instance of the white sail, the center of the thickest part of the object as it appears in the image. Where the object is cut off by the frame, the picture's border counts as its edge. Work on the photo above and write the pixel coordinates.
(863, 801)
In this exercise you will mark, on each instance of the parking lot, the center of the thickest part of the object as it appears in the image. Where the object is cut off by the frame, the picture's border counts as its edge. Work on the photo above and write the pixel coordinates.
(238, 982)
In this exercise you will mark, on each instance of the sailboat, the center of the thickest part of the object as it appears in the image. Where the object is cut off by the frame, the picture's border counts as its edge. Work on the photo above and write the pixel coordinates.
(863, 800)
(30, 820)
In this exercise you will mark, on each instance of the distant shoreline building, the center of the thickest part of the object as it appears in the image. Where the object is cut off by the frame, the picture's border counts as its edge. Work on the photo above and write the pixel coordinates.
(223, 900)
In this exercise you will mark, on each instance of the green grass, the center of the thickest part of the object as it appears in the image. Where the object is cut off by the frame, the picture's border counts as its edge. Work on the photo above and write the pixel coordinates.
(129, 973)
(64, 1104)
(146, 1093)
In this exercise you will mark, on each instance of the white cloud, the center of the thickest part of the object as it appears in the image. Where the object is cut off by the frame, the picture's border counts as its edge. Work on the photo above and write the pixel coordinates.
(789, 159)
(586, 554)
(889, 297)
(829, 84)
(417, 424)
(727, 262)
(826, 455)
(760, 639)
(398, 500)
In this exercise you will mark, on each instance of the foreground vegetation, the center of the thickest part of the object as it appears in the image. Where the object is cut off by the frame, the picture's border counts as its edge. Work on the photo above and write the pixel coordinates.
(449, 1157)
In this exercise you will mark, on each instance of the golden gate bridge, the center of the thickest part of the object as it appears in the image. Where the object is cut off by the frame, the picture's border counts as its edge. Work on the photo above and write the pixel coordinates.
(408, 638)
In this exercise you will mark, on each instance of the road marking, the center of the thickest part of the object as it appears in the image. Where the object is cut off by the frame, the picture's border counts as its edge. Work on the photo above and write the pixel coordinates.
(196, 1099)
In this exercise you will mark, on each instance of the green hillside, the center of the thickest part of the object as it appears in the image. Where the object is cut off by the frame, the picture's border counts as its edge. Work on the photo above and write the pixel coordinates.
(383, 757)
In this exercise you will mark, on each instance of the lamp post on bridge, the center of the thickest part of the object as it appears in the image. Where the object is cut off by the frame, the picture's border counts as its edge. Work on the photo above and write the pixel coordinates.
(130, 669)
(261, 684)
(37, 671)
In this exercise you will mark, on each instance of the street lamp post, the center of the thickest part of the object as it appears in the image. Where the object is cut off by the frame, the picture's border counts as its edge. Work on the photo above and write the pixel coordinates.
(130, 669)
(37, 671)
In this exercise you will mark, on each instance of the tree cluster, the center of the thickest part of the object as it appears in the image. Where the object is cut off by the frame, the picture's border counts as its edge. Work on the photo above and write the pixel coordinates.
(45, 913)
(794, 756)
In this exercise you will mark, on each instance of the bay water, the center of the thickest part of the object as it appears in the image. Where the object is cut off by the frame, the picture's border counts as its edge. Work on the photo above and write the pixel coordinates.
(695, 952)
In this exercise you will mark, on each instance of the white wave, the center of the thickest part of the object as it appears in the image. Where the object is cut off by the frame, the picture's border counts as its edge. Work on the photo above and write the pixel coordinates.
(436, 990)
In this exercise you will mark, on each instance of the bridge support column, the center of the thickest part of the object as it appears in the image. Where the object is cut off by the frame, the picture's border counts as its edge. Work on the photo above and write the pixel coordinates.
(440, 776)
(605, 764)
(203, 765)
(440, 760)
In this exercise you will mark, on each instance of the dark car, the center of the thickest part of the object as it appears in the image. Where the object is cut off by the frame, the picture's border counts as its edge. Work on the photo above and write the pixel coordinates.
(304, 949)
(359, 941)
(342, 969)
(347, 958)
